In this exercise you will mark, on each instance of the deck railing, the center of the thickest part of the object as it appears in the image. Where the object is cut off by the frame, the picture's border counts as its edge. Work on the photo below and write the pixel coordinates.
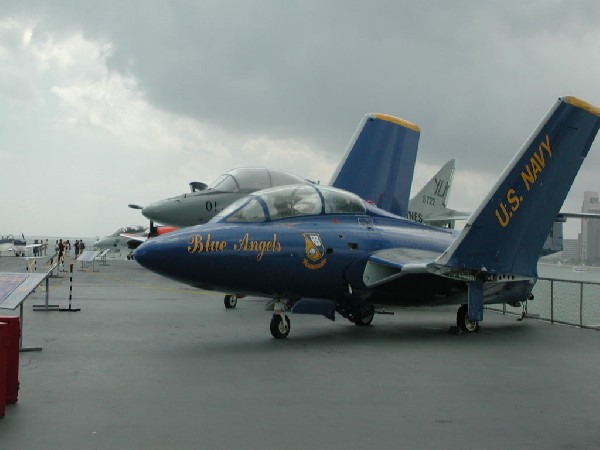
(561, 301)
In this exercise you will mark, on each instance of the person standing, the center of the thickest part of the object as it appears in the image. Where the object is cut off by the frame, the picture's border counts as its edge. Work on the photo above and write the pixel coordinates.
(61, 250)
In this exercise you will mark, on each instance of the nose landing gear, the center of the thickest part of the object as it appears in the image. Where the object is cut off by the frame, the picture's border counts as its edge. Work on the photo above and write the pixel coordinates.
(280, 326)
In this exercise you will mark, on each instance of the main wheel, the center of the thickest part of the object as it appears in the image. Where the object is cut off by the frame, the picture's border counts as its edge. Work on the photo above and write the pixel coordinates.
(230, 301)
(364, 314)
(279, 328)
(366, 319)
(463, 322)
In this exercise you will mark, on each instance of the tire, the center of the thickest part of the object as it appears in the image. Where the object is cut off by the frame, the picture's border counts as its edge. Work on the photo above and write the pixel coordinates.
(277, 327)
(464, 323)
(367, 312)
(230, 301)
(365, 321)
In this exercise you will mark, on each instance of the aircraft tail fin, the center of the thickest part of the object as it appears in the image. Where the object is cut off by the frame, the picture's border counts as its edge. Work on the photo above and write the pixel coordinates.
(379, 162)
(429, 205)
(506, 233)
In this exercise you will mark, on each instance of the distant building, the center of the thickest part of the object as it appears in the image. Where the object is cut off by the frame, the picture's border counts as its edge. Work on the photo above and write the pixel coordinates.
(570, 250)
(590, 230)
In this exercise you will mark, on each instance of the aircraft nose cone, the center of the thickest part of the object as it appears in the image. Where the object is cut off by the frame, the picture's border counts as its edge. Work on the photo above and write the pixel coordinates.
(153, 211)
(147, 255)
(158, 254)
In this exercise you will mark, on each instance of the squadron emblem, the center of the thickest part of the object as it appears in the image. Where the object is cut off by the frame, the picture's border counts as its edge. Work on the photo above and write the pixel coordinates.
(315, 251)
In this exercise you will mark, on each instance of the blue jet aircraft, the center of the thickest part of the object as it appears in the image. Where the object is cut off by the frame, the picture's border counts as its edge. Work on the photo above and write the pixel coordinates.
(319, 250)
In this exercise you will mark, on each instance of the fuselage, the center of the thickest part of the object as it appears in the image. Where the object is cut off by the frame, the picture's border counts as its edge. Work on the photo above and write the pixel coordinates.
(117, 242)
(311, 256)
(190, 209)
(10, 243)
(307, 241)
(204, 202)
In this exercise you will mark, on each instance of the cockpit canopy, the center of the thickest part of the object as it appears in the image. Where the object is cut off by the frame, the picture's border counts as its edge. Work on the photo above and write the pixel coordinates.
(132, 229)
(292, 201)
(250, 179)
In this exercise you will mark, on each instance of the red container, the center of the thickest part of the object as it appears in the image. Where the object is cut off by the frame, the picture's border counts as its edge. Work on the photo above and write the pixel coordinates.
(3, 352)
(12, 357)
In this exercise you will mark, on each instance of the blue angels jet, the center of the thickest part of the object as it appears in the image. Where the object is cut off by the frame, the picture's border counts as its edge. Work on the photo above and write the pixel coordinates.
(321, 250)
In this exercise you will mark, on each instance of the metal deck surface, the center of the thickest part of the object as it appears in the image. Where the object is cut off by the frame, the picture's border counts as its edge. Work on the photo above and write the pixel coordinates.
(149, 363)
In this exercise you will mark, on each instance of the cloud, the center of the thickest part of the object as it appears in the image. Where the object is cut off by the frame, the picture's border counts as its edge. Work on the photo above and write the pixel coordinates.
(113, 144)
(154, 95)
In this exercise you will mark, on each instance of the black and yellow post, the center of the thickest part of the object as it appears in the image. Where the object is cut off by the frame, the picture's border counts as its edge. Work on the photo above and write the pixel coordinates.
(70, 291)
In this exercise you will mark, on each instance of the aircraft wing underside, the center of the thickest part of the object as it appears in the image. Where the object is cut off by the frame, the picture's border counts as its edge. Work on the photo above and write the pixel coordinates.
(401, 277)
(387, 265)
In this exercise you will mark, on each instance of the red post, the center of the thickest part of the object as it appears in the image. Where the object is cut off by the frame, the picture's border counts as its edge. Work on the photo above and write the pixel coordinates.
(12, 357)
(3, 339)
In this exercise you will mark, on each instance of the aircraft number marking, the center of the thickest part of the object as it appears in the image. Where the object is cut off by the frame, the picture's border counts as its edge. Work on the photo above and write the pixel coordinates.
(197, 243)
(428, 200)
(210, 206)
(529, 176)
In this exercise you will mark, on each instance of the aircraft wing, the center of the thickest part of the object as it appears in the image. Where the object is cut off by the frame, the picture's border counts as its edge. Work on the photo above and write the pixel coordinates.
(569, 215)
(134, 237)
(390, 264)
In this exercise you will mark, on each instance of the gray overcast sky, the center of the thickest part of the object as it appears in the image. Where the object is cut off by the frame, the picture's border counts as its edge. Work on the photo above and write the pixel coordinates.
(108, 103)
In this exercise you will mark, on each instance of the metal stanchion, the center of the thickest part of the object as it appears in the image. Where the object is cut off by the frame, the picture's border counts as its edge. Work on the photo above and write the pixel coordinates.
(70, 291)
(46, 306)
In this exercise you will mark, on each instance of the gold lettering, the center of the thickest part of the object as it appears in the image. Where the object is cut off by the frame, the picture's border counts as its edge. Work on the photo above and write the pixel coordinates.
(513, 199)
(198, 245)
(312, 266)
(260, 247)
(243, 244)
(528, 178)
(536, 167)
(195, 244)
(502, 222)
(546, 146)
(540, 158)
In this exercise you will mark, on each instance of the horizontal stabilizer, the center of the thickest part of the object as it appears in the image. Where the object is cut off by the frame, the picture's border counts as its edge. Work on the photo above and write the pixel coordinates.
(506, 233)
(379, 162)
(569, 215)
(446, 215)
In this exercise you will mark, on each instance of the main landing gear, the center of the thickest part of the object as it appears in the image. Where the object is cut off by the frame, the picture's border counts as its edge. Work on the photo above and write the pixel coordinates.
(356, 310)
(463, 322)
(230, 301)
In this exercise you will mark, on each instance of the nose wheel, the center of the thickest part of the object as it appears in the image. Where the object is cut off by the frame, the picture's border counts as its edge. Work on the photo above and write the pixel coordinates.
(280, 326)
